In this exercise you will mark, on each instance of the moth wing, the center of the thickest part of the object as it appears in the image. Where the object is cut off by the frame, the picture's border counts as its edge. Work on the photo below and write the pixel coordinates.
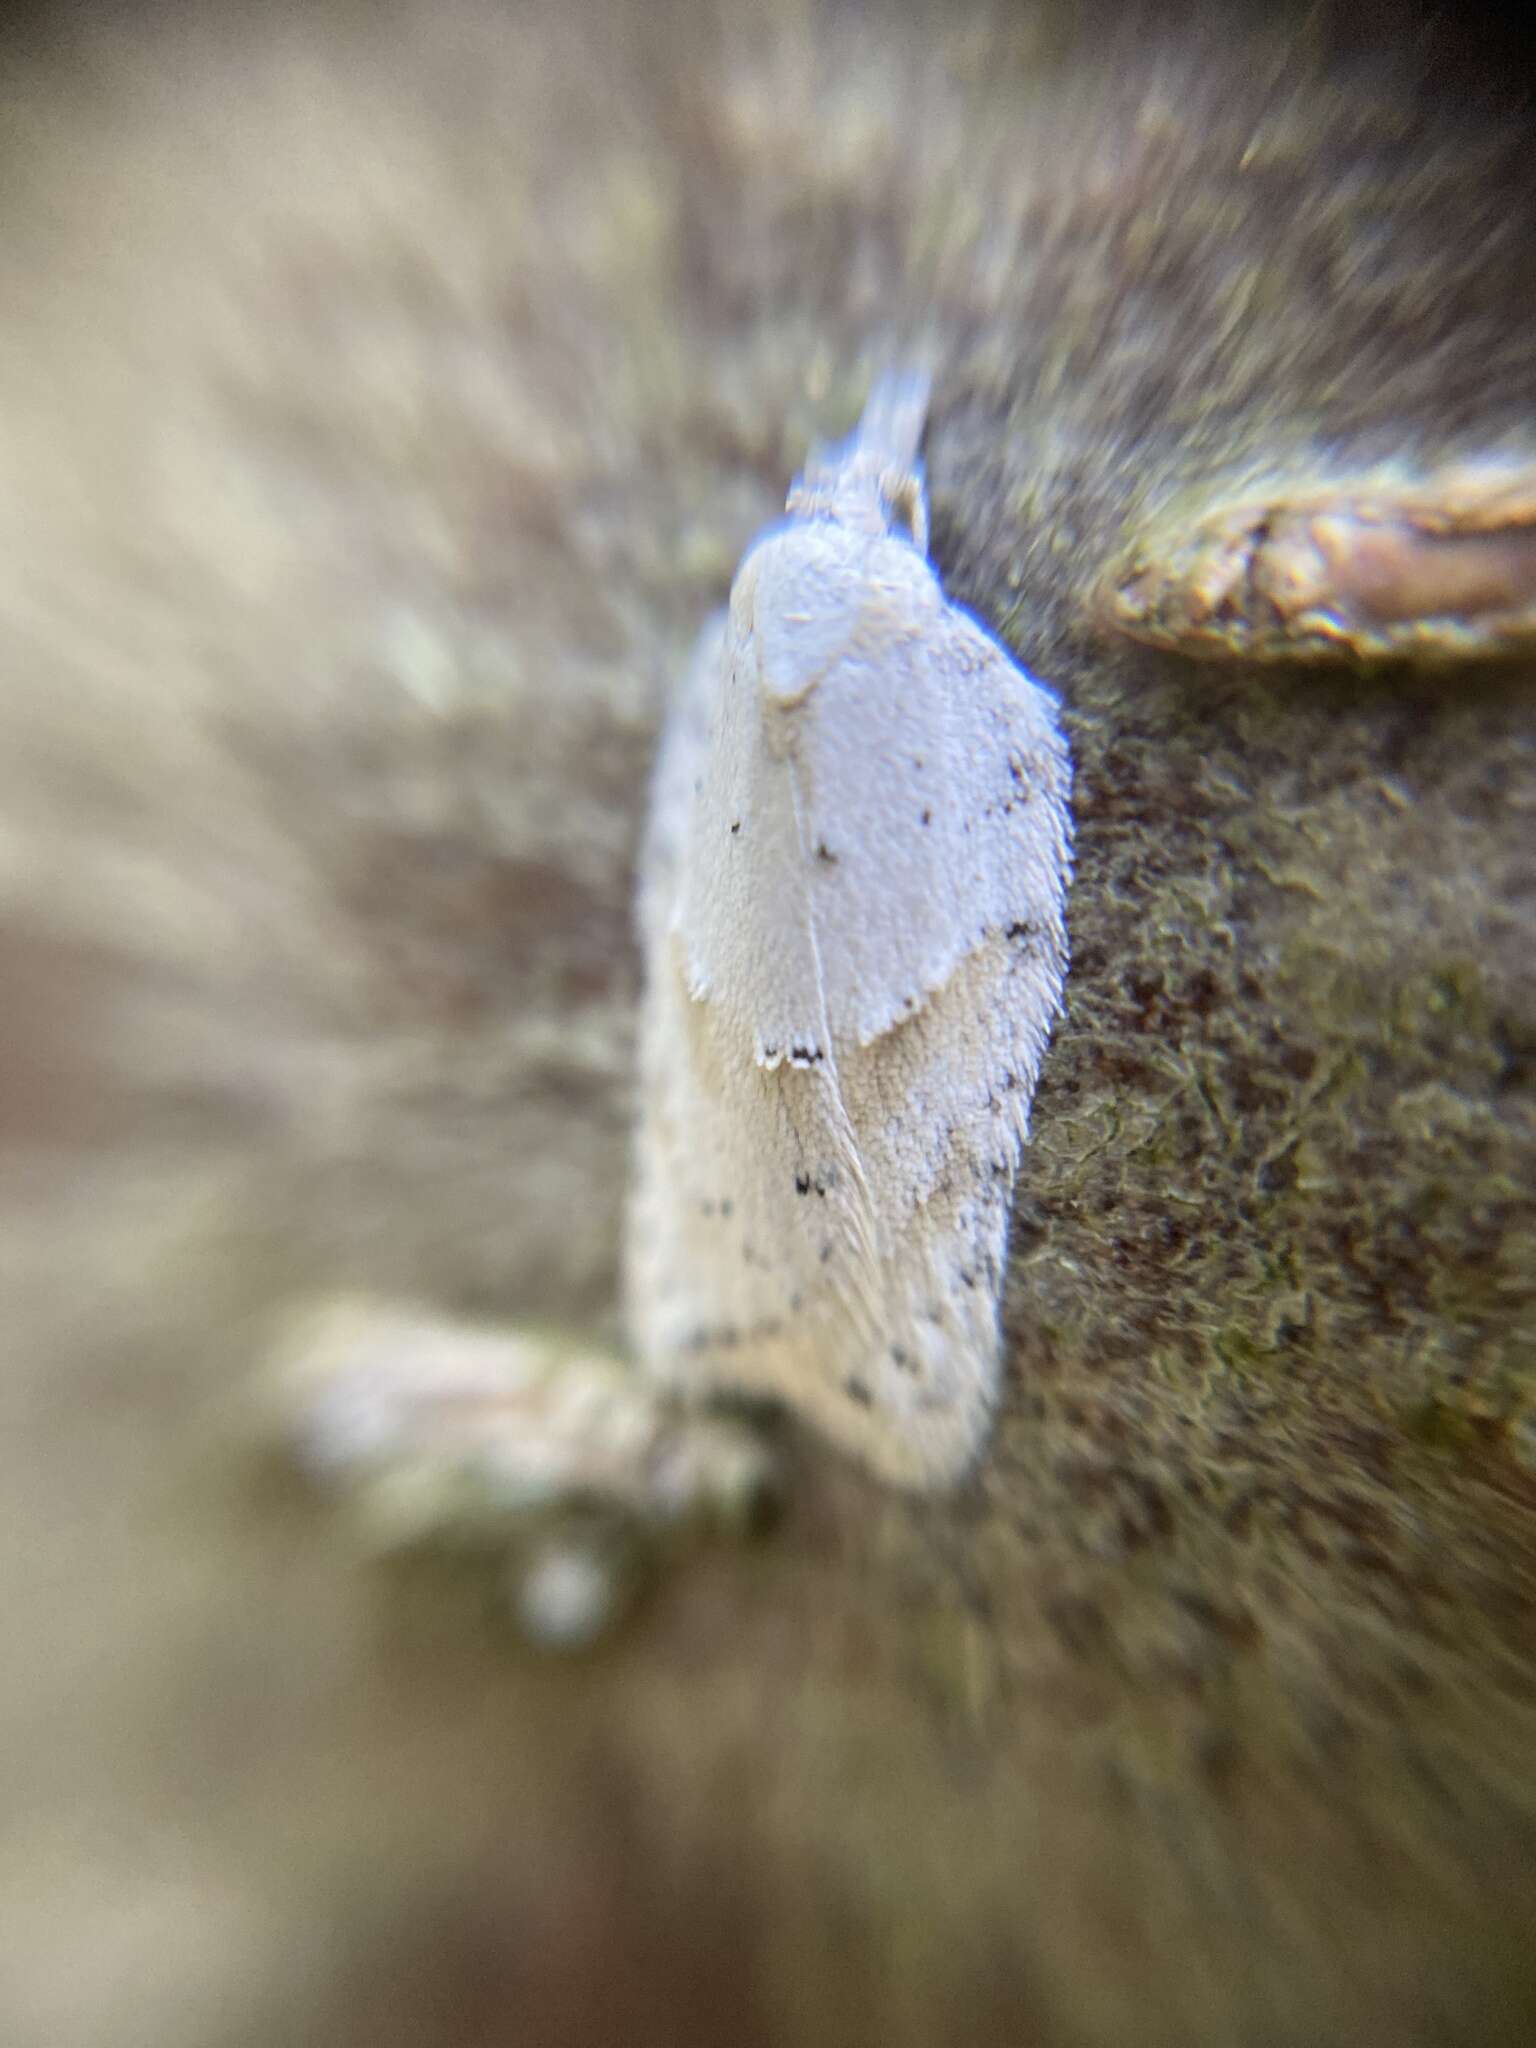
(749, 1198)
(749, 1257)
(933, 785)
(1022, 832)
(679, 758)
(941, 1106)
(841, 863)
(743, 911)
(939, 1087)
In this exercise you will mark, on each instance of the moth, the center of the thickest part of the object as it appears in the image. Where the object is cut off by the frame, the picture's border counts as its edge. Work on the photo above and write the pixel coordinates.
(852, 910)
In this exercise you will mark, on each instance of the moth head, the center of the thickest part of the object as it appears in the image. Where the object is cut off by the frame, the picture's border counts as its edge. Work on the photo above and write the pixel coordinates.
(873, 482)
(857, 488)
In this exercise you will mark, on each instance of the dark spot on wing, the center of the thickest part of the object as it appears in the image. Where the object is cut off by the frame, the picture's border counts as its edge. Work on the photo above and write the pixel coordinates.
(856, 1390)
(702, 1338)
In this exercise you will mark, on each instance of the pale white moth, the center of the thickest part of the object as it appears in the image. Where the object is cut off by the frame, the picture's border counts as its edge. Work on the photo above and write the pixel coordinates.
(852, 909)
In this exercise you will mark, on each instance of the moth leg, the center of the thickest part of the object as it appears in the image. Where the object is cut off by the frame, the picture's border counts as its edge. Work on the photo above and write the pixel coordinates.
(1438, 570)
(560, 1462)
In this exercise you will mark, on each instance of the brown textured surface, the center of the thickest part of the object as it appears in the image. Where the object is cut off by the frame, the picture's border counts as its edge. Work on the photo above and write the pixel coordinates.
(1352, 575)
(386, 397)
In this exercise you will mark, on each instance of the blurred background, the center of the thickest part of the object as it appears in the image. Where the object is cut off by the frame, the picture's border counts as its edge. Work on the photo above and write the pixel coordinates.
(386, 394)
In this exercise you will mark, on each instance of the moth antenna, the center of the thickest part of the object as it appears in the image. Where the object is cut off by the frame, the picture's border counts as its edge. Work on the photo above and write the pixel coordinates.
(895, 413)
(874, 477)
